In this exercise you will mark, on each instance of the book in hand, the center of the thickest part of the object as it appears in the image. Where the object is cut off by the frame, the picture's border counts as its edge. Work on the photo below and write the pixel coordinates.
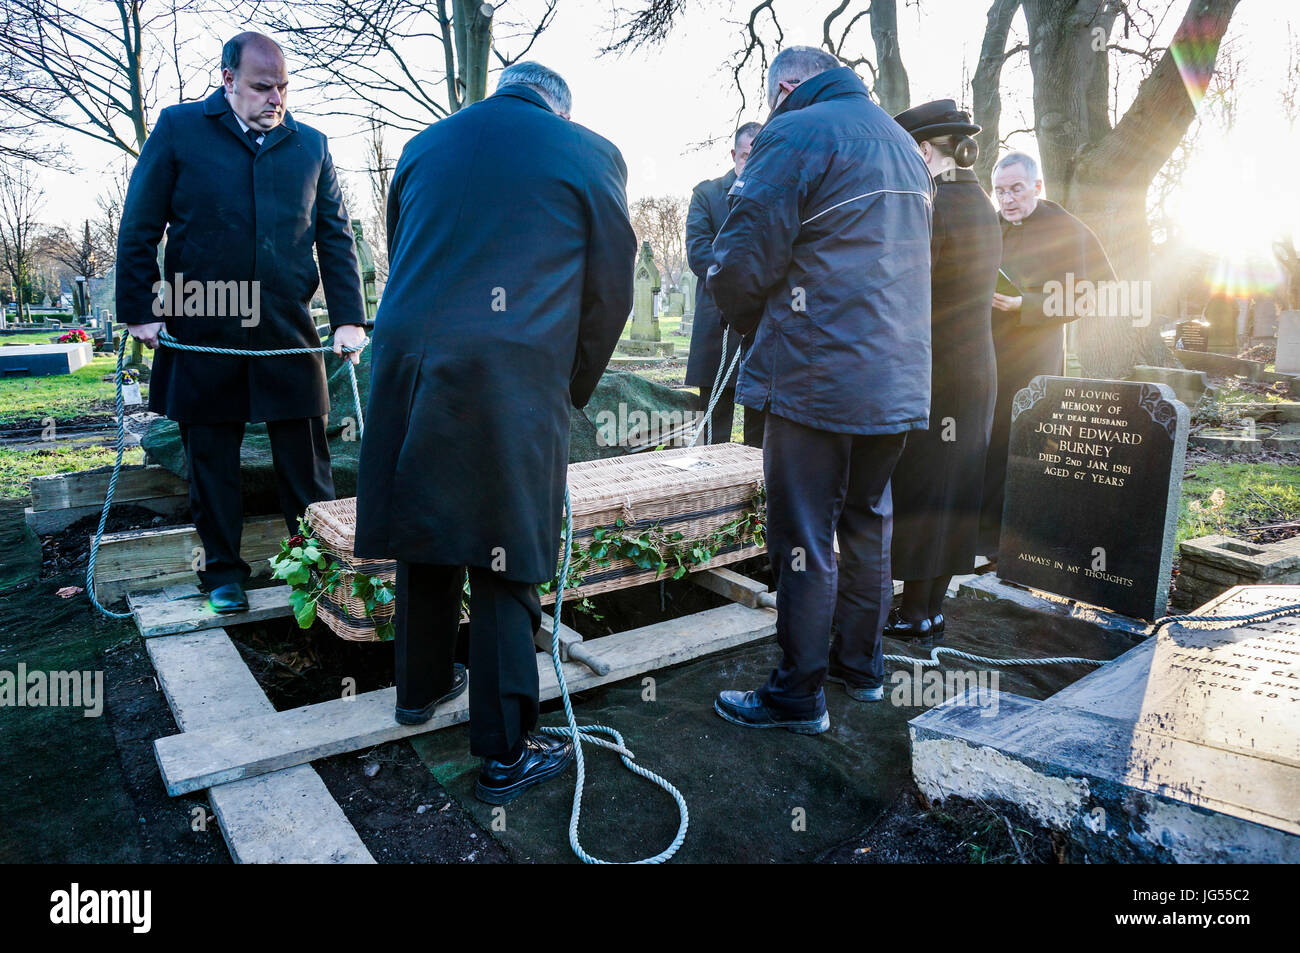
(1006, 286)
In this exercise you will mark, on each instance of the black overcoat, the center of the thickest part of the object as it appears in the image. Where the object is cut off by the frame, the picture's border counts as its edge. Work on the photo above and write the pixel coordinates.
(1050, 245)
(938, 481)
(707, 213)
(235, 213)
(510, 280)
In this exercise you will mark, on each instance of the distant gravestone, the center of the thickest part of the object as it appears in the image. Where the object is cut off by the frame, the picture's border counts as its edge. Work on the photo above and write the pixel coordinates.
(643, 339)
(676, 304)
(1265, 318)
(1221, 316)
(1288, 343)
(688, 311)
(1094, 475)
(645, 285)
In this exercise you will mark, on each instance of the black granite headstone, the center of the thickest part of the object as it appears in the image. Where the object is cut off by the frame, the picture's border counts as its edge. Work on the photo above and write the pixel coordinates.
(1094, 475)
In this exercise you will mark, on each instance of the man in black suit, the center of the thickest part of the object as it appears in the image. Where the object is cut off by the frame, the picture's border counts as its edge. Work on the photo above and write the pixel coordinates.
(244, 193)
(708, 212)
(509, 282)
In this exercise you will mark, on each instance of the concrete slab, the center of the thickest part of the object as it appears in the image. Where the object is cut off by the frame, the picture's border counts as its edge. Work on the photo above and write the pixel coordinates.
(1186, 748)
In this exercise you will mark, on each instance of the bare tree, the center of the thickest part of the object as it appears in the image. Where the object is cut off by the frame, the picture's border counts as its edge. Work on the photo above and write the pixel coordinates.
(654, 20)
(21, 200)
(1290, 92)
(661, 221)
(379, 170)
(406, 63)
(1096, 165)
(95, 67)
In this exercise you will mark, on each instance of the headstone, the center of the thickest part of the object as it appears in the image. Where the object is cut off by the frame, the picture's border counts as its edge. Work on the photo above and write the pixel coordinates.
(366, 266)
(1221, 314)
(645, 285)
(1094, 476)
(1186, 748)
(644, 338)
(676, 304)
(688, 311)
(1288, 343)
(1265, 318)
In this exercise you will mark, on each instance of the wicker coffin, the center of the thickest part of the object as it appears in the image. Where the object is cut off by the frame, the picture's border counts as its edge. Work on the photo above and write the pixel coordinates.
(691, 490)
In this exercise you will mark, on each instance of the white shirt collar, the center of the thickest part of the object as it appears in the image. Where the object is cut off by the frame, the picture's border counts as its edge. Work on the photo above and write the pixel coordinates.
(243, 126)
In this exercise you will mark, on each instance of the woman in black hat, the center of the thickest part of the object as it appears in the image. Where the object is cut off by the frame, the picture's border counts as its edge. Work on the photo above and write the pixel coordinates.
(938, 482)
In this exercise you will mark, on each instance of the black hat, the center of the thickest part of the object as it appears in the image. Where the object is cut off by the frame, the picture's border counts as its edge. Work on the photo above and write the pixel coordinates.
(939, 118)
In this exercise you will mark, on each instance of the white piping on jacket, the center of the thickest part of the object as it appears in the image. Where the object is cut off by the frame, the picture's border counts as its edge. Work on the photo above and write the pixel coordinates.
(865, 195)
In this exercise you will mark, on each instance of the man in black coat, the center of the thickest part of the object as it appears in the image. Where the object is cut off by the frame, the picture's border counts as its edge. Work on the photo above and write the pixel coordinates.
(510, 280)
(825, 257)
(1041, 243)
(245, 193)
(707, 213)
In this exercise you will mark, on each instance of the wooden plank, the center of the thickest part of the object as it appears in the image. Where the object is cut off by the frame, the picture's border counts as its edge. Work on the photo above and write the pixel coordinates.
(241, 749)
(283, 817)
(191, 613)
(737, 588)
(153, 558)
(65, 490)
(44, 522)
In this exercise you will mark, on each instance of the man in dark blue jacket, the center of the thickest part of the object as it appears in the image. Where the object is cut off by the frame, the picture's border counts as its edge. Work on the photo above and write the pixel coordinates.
(708, 212)
(825, 258)
(509, 282)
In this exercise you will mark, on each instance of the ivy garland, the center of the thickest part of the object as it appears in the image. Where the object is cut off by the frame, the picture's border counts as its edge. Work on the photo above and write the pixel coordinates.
(311, 573)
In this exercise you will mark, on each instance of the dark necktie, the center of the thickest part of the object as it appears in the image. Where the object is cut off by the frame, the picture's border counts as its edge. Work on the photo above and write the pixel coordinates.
(252, 135)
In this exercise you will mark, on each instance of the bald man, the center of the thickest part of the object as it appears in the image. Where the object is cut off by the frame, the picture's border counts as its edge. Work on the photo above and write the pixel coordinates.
(245, 194)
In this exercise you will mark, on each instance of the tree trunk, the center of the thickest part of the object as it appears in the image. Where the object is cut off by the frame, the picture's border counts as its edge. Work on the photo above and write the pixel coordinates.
(892, 89)
(1102, 174)
(986, 87)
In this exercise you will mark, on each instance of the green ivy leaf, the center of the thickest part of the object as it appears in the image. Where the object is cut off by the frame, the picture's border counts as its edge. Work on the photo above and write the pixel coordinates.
(299, 577)
(386, 631)
(304, 608)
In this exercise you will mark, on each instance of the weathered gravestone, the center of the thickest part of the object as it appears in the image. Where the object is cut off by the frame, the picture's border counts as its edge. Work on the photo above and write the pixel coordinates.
(1288, 343)
(644, 337)
(1265, 325)
(688, 310)
(676, 304)
(1186, 748)
(1094, 474)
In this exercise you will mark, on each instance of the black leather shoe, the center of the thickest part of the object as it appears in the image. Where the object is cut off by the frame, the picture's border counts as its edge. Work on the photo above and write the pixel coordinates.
(542, 758)
(898, 628)
(936, 628)
(748, 710)
(418, 716)
(228, 598)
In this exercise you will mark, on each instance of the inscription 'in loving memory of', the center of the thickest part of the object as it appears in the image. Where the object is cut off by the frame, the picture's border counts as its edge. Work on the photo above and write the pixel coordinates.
(1085, 432)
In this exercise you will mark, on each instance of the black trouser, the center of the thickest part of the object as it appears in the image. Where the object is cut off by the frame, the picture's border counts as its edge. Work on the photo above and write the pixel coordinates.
(818, 484)
(503, 615)
(724, 414)
(301, 458)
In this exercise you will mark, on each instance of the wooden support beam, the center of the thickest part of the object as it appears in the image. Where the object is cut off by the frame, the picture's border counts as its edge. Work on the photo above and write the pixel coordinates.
(245, 747)
(66, 490)
(156, 558)
(726, 582)
(572, 647)
(282, 817)
(191, 612)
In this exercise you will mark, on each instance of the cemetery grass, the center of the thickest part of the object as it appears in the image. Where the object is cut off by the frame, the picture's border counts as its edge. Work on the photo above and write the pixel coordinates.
(17, 467)
(1254, 495)
(27, 401)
